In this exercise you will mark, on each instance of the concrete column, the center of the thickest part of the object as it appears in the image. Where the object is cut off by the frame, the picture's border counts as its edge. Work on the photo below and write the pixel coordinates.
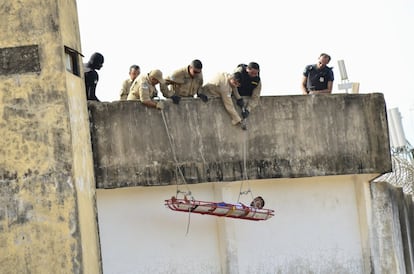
(387, 245)
(226, 232)
(48, 219)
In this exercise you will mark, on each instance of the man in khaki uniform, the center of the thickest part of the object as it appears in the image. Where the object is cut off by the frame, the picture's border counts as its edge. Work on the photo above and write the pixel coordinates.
(143, 89)
(134, 71)
(224, 85)
(185, 82)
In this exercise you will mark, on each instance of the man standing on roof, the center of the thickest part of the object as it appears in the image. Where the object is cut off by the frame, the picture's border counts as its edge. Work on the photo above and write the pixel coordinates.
(134, 71)
(91, 76)
(248, 93)
(143, 89)
(318, 78)
(185, 82)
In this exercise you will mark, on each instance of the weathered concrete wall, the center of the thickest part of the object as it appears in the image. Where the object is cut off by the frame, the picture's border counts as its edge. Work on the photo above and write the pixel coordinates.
(316, 229)
(46, 170)
(327, 224)
(392, 229)
(287, 136)
(47, 210)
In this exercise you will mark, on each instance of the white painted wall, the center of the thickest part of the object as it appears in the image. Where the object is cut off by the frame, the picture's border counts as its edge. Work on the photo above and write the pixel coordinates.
(315, 230)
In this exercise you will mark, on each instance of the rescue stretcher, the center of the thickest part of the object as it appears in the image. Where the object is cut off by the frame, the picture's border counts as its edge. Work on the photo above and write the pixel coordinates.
(238, 211)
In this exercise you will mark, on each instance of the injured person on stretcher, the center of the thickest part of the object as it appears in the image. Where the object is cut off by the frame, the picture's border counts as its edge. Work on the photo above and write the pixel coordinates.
(257, 202)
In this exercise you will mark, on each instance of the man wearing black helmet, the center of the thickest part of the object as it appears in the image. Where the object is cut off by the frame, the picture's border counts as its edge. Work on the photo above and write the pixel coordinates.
(248, 93)
(91, 76)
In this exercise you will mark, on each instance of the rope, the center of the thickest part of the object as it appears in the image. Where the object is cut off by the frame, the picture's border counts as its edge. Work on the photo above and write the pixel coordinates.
(178, 191)
(244, 176)
(175, 158)
(188, 222)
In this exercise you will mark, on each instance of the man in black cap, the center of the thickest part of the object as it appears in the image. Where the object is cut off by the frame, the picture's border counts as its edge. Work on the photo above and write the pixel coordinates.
(91, 76)
(248, 93)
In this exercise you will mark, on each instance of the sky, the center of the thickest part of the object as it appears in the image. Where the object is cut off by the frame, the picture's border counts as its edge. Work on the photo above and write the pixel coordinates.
(373, 37)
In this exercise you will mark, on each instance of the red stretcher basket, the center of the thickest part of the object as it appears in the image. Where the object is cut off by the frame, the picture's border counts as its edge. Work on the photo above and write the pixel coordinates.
(238, 211)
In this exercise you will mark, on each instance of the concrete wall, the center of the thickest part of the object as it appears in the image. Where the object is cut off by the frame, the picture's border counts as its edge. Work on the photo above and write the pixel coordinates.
(46, 170)
(310, 157)
(317, 228)
(328, 224)
(288, 136)
(392, 229)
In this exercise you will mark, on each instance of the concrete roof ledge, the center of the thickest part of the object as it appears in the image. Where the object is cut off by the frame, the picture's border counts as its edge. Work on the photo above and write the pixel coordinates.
(287, 137)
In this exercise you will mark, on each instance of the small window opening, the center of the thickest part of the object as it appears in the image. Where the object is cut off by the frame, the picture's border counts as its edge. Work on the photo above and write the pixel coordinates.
(72, 61)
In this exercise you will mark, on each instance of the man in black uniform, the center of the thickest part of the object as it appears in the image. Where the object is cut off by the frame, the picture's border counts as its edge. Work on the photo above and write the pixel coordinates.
(91, 76)
(318, 78)
(248, 93)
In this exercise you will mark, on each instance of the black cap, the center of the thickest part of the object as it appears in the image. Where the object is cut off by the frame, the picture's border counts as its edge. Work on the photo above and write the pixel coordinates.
(254, 65)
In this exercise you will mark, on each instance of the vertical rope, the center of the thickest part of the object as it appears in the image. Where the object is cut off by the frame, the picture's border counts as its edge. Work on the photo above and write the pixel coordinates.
(179, 170)
(174, 156)
(244, 175)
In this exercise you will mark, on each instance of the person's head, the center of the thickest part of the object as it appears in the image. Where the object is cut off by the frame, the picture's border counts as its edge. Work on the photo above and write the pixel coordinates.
(96, 61)
(235, 79)
(323, 60)
(253, 69)
(155, 77)
(195, 67)
(134, 71)
(258, 202)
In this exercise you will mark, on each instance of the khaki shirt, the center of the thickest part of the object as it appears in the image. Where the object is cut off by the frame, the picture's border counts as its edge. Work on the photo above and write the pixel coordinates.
(142, 89)
(126, 85)
(184, 85)
(219, 86)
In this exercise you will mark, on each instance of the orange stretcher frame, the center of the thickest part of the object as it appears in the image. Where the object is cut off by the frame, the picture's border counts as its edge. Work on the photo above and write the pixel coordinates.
(238, 211)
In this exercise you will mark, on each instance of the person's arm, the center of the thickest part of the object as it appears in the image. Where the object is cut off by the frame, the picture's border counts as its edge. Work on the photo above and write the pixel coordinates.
(153, 104)
(91, 79)
(177, 77)
(133, 91)
(174, 81)
(328, 90)
(304, 83)
(123, 94)
(229, 106)
(166, 92)
(198, 88)
(236, 94)
(144, 95)
(254, 100)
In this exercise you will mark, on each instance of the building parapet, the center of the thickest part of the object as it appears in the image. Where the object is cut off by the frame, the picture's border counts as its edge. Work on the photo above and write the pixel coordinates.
(287, 137)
